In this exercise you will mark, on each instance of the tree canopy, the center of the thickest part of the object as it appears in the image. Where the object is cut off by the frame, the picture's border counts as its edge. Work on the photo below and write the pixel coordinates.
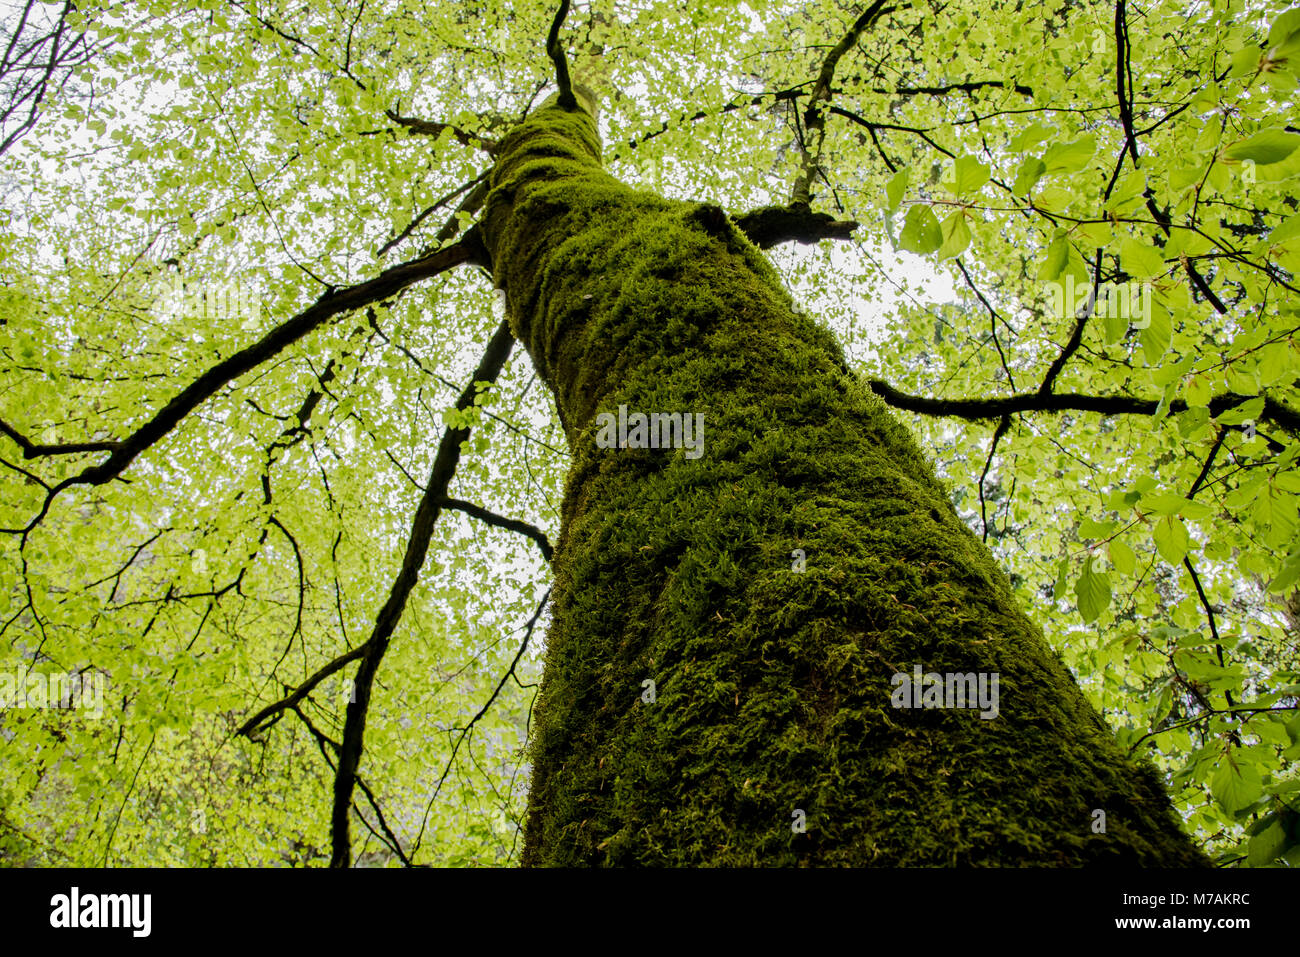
(254, 379)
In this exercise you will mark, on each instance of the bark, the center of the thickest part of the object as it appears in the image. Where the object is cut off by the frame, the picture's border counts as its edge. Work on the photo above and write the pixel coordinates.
(772, 685)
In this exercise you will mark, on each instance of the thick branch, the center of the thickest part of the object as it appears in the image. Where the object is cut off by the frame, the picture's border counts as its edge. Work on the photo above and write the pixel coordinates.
(778, 224)
(968, 87)
(434, 128)
(976, 409)
(500, 521)
(1123, 73)
(33, 450)
(291, 700)
(330, 304)
(417, 547)
(567, 101)
(814, 119)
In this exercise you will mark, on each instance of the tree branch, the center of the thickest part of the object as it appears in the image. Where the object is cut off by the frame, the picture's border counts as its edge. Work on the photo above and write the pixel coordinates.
(29, 94)
(772, 225)
(1076, 337)
(417, 547)
(510, 524)
(1123, 70)
(330, 304)
(871, 127)
(1003, 425)
(733, 106)
(566, 101)
(416, 221)
(993, 320)
(291, 701)
(33, 450)
(814, 119)
(434, 128)
(976, 409)
(967, 87)
(1191, 569)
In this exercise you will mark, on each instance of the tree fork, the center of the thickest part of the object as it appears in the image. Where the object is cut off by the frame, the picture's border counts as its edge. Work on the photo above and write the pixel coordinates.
(726, 628)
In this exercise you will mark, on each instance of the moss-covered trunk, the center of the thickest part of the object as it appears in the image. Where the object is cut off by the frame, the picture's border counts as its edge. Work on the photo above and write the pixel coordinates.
(729, 617)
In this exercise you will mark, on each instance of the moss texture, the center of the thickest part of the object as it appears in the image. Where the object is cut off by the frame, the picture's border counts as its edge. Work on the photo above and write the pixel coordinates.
(772, 685)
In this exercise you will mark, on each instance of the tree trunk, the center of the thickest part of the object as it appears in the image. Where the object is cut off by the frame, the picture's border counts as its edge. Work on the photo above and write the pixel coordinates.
(729, 620)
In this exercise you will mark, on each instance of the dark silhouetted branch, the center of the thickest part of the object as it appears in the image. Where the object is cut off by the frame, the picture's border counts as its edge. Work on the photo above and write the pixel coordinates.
(417, 547)
(566, 101)
(814, 118)
(779, 224)
(434, 128)
(978, 409)
(1076, 337)
(510, 524)
(291, 700)
(1003, 425)
(331, 303)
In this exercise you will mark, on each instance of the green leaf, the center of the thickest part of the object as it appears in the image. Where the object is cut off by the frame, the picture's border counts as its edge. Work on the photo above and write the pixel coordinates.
(1236, 785)
(1244, 62)
(1122, 557)
(1058, 256)
(1288, 574)
(1164, 503)
(1248, 411)
(1197, 391)
(1286, 231)
(1092, 592)
(1027, 139)
(1062, 579)
(1070, 157)
(1265, 147)
(1276, 363)
(1275, 512)
(1284, 27)
(1271, 731)
(1157, 335)
(1266, 846)
(968, 175)
(1054, 198)
(1091, 528)
(1171, 539)
(1115, 326)
(1194, 421)
(895, 189)
(1141, 260)
(1128, 190)
(921, 233)
(1031, 171)
(956, 235)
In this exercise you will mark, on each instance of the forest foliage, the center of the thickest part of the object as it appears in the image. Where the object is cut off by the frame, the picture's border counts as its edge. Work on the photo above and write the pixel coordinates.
(194, 176)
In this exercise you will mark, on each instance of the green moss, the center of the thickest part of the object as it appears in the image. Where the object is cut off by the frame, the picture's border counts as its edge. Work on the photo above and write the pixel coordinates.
(773, 685)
